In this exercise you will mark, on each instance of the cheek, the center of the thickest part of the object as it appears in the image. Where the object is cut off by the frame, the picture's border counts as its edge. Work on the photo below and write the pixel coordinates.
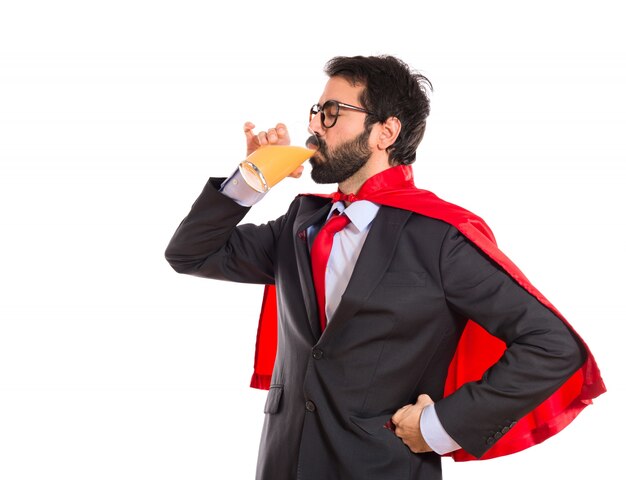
(336, 140)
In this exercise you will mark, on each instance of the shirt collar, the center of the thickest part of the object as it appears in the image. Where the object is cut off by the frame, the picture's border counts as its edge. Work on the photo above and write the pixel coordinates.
(361, 213)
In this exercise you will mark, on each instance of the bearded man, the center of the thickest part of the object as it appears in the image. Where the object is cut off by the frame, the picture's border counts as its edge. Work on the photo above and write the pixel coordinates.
(403, 333)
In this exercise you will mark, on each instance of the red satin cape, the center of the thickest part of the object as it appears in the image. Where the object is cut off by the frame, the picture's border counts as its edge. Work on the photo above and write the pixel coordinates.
(477, 349)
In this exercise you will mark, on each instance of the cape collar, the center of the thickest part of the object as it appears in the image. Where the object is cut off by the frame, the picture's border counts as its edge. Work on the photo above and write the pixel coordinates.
(392, 179)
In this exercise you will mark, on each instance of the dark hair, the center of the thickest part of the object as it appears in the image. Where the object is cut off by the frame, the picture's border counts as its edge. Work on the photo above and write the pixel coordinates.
(392, 89)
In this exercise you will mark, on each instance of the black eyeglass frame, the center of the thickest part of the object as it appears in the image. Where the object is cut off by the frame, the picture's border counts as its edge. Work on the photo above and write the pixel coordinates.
(317, 108)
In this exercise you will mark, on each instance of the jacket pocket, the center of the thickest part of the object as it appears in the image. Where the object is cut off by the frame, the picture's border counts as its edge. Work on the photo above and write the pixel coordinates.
(273, 399)
(373, 424)
(384, 442)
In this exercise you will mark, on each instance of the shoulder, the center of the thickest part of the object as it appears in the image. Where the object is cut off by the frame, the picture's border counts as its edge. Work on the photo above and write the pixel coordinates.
(304, 206)
(467, 222)
(308, 203)
(426, 224)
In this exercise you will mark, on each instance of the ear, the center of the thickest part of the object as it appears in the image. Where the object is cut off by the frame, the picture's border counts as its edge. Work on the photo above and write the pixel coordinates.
(388, 133)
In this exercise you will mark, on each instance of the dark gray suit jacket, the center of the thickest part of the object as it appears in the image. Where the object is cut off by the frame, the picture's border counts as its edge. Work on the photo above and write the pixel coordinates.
(392, 338)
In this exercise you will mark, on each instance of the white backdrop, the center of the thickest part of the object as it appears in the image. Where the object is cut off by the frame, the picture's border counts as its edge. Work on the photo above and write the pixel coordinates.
(114, 114)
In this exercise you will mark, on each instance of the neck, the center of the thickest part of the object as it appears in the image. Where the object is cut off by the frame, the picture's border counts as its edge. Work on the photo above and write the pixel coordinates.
(374, 166)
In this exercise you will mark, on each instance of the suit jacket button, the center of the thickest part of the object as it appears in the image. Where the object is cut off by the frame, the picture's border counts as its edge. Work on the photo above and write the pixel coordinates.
(310, 406)
(497, 436)
(490, 441)
(317, 354)
(505, 429)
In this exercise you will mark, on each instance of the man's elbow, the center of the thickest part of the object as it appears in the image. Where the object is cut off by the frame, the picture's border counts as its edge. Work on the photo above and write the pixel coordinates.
(574, 353)
(177, 262)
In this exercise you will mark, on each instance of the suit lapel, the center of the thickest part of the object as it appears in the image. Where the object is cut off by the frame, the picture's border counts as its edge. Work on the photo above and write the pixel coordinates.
(374, 259)
(303, 261)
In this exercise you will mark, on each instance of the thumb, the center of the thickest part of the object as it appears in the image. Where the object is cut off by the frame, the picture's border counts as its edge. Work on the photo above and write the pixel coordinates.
(398, 415)
(424, 400)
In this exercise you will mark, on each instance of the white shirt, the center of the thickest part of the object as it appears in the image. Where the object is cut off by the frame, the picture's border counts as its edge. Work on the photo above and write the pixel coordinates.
(347, 245)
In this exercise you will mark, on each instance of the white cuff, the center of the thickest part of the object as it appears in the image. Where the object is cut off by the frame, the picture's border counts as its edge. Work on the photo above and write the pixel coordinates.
(236, 188)
(434, 434)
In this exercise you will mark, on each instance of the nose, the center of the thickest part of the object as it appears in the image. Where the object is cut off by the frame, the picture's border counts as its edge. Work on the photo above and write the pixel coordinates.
(315, 125)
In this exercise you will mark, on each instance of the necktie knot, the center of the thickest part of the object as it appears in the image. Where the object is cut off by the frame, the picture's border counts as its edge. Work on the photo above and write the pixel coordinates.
(334, 224)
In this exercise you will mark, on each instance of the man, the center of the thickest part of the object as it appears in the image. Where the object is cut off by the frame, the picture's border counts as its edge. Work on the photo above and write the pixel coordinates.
(360, 383)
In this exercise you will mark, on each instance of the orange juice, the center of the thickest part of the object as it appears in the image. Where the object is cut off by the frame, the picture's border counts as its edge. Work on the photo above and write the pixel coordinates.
(269, 164)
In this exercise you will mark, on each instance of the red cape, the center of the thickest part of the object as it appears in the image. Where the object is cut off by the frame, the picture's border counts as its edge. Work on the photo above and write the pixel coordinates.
(477, 350)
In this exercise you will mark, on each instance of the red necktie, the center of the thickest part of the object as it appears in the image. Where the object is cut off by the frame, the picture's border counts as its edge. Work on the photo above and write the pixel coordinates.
(320, 251)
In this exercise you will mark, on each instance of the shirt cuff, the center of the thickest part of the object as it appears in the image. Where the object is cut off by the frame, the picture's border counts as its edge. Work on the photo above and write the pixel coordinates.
(236, 188)
(434, 434)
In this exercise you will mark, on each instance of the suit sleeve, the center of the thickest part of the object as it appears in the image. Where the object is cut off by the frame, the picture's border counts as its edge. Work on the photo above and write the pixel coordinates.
(208, 243)
(542, 353)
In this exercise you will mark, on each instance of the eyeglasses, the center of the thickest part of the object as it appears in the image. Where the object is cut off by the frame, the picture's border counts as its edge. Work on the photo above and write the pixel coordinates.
(330, 112)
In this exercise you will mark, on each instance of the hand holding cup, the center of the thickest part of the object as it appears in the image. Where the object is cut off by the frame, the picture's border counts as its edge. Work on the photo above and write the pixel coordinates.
(279, 135)
(271, 158)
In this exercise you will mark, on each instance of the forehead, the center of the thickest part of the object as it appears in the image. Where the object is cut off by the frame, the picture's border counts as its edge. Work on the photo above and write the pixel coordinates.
(340, 89)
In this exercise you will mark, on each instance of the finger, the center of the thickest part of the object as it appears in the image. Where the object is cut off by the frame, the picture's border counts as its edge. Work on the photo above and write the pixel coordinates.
(247, 129)
(282, 131)
(262, 138)
(297, 173)
(272, 135)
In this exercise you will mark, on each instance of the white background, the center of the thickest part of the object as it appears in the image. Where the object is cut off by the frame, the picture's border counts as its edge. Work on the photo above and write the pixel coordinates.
(114, 114)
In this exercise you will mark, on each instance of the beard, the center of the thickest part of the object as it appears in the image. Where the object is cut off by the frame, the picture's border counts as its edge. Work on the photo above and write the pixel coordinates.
(341, 163)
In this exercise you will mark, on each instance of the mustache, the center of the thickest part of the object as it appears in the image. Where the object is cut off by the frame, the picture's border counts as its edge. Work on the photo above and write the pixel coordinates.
(314, 142)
